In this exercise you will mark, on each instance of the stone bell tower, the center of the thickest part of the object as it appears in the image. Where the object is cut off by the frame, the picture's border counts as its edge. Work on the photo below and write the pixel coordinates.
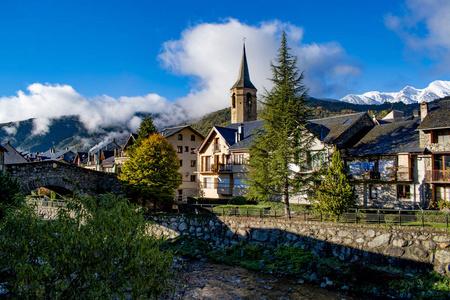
(243, 95)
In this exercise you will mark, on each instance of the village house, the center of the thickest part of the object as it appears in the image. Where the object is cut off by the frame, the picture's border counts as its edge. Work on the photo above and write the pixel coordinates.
(386, 165)
(435, 138)
(98, 154)
(185, 141)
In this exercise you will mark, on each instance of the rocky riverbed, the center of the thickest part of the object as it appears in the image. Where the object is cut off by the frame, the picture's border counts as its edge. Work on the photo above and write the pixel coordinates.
(206, 280)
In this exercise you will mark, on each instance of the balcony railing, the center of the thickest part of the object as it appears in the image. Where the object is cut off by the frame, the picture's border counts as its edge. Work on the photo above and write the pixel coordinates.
(371, 175)
(438, 175)
(225, 167)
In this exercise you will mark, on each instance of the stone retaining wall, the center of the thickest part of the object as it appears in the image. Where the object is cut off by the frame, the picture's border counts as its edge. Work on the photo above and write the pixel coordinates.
(399, 246)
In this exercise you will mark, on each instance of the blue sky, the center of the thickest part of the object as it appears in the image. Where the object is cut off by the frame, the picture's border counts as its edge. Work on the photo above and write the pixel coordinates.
(58, 57)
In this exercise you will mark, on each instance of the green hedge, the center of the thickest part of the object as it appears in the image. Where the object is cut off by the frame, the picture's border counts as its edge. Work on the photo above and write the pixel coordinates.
(200, 200)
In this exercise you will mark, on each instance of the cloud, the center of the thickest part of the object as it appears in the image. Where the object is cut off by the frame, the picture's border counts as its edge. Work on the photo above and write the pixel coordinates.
(46, 102)
(210, 54)
(425, 29)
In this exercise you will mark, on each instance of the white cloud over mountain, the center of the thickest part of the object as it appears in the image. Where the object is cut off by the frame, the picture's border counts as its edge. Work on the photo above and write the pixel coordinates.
(210, 53)
(425, 29)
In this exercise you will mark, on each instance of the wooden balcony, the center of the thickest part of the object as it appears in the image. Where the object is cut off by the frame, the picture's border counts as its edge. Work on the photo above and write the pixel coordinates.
(437, 176)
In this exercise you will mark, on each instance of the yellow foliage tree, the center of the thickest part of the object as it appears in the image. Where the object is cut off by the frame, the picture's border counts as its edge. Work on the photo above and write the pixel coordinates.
(151, 173)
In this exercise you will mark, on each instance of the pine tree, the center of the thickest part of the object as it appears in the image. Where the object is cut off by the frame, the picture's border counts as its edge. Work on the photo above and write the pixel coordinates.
(283, 142)
(335, 195)
(146, 128)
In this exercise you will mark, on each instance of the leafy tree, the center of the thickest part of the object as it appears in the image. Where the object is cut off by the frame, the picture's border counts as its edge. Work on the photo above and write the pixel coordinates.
(96, 248)
(146, 129)
(335, 195)
(10, 192)
(152, 171)
(283, 140)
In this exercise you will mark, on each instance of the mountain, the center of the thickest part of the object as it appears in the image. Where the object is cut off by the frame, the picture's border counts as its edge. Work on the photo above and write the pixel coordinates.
(437, 89)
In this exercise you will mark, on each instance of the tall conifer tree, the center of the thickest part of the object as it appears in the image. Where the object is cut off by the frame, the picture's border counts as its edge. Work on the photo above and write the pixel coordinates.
(283, 142)
(335, 195)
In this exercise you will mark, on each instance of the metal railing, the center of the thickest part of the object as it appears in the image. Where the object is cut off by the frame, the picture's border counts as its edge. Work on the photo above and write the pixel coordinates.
(386, 217)
(46, 202)
(437, 175)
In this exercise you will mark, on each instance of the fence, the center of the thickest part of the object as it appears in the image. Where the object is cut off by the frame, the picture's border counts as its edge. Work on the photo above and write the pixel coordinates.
(389, 217)
(46, 202)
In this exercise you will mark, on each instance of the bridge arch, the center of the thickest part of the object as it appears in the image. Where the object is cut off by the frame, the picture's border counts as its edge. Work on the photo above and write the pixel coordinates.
(58, 175)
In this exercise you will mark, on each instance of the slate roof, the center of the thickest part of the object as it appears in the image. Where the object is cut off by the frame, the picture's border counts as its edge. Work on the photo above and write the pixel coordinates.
(229, 134)
(108, 162)
(55, 154)
(12, 156)
(107, 147)
(166, 132)
(243, 80)
(438, 115)
(389, 138)
(328, 130)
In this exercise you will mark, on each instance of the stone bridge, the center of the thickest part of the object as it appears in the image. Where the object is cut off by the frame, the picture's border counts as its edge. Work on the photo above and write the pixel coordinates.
(63, 178)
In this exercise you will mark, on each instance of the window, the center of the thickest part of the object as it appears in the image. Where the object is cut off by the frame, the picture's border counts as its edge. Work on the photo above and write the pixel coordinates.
(193, 163)
(442, 136)
(208, 183)
(318, 160)
(179, 149)
(239, 159)
(233, 101)
(239, 183)
(442, 193)
(181, 162)
(223, 183)
(403, 191)
(375, 191)
(249, 100)
(192, 178)
(192, 137)
(180, 137)
(192, 150)
(206, 163)
(186, 148)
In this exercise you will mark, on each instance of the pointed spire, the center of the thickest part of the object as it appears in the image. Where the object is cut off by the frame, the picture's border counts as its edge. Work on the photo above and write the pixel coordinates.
(244, 76)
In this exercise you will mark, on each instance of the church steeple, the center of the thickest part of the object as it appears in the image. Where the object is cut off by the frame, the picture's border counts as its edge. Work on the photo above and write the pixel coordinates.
(243, 95)
(244, 76)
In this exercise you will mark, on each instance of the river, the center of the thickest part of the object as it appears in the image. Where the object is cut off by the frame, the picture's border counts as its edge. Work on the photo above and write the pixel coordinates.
(206, 280)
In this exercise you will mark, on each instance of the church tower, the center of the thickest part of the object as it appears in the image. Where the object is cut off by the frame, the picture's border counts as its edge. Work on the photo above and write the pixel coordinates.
(243, 95)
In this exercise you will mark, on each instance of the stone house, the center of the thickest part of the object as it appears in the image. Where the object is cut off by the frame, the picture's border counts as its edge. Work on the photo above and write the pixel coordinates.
(434, 132)
(386, 166)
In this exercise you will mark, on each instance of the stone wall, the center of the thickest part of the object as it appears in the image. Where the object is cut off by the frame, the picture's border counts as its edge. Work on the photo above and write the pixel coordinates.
(399, 246)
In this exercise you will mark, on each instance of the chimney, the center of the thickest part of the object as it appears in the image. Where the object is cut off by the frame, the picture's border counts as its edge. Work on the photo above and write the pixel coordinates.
(241, 131)
(423, 110)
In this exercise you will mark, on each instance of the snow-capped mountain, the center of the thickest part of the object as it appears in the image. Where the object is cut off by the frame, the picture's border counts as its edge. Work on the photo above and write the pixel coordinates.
(437, 89)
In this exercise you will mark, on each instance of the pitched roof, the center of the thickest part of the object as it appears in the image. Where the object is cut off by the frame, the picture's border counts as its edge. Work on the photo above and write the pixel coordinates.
(12, 156)
(243, 80)
(105, 147)
(55, 154)
(328, 130)
(389, 138)
(438, 115)
(166, 132)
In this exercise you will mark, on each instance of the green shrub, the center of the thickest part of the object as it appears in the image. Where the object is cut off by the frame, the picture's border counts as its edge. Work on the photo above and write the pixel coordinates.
(96, 248)
(10, 193)
(238, 201)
